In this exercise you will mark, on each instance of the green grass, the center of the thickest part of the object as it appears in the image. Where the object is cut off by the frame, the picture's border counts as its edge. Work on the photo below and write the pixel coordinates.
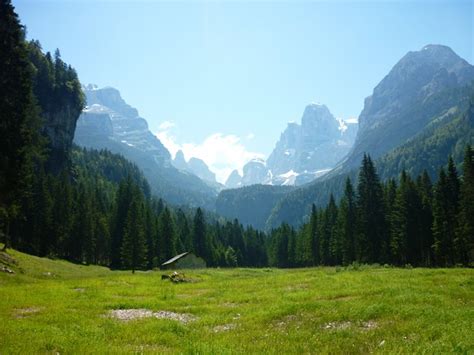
(52, 306)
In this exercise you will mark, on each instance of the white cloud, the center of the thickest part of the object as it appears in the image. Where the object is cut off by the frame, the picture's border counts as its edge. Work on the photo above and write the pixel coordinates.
(250, 136)
(352, 120)
(221, 152)
(166, 125)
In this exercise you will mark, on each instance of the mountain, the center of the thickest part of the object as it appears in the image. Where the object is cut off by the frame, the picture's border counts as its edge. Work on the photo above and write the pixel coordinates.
(255, 172)
(447, 134)
(234, 180)
(199, 168)
(195, 166)
(304, 151)
(179, 162)
(317, 144)
(109, 122)
(400, 105)
(417, 115)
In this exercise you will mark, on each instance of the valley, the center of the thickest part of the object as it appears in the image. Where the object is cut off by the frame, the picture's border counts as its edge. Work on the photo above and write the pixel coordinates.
(174, 233)
(66, 308)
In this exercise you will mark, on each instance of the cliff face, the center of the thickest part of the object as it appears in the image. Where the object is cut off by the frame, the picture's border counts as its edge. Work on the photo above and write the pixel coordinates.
(108, 122)
(402, 104)
(59, 95)
(304, 151)
(320, 142)
(59, 128)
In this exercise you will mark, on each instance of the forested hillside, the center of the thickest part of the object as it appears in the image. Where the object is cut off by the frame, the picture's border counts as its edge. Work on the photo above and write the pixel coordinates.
(108, 122)
(445, 136)
(450, 129)
(85, 206)
(413, 205)
(252, 204)
(409, 221)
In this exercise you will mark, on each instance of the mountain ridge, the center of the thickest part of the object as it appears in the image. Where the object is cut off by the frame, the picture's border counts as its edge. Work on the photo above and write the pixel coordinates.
(403, 108)
(109, 122)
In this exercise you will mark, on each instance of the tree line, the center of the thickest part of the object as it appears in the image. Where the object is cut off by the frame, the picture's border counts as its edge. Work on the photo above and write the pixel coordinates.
(103, 213)
(95, 207)
(409, 221)
(86, 206)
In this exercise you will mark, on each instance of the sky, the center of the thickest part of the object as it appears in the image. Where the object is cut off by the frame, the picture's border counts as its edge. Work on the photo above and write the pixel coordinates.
(222, 79)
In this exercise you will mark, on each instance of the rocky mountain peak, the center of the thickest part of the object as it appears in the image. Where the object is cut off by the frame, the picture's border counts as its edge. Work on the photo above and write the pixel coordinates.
(109, 122)
(234, 180)
(199, 168)
(179, 162)
(255, 172)
(394, 112)
(319, 142)
(194, 166)
(110, 98)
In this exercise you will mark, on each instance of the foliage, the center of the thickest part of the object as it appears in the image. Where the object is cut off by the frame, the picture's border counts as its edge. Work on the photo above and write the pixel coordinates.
(413, 223)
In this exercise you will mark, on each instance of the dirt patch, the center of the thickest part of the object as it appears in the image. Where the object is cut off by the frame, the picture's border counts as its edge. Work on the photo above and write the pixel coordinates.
(337, 325)
(79, 289)
(224, 327)
(132, 314)
(367, 325)
(182, 317)
(27, 312)
(291, 319)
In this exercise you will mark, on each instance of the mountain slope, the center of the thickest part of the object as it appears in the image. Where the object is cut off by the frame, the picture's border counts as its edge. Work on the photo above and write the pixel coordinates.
(447, 134)
(109, 122)
(318, 143)
(417, 115)
(253, 204)
(304, 151)
(402, 104)
(197, 167)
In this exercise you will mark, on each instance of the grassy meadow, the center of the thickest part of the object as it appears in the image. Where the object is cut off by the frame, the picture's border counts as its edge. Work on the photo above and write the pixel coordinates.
(51, 306)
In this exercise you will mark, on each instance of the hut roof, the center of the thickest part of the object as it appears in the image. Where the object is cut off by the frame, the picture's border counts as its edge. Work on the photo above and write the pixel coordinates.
(174, 258)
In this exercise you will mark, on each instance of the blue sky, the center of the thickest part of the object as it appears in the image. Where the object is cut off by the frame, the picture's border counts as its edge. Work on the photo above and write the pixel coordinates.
(226, 77)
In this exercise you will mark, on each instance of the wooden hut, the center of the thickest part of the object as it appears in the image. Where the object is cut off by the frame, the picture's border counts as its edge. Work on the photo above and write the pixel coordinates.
(184, 261)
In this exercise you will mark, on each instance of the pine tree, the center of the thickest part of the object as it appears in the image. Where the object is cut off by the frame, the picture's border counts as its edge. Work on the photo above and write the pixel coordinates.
(372, 239)
(21, 145)
(122, 205)
(151, 236)
(200, 244)
(464, 241)
(331, 248)
(292, 259)
(443, 221)
(185, 242)
(346, 222)
(310, 240)
(405, 232)
(63, 213)
(133, 248)
(282, 238)
(425, 217)
(166, 236)
(237, 242)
